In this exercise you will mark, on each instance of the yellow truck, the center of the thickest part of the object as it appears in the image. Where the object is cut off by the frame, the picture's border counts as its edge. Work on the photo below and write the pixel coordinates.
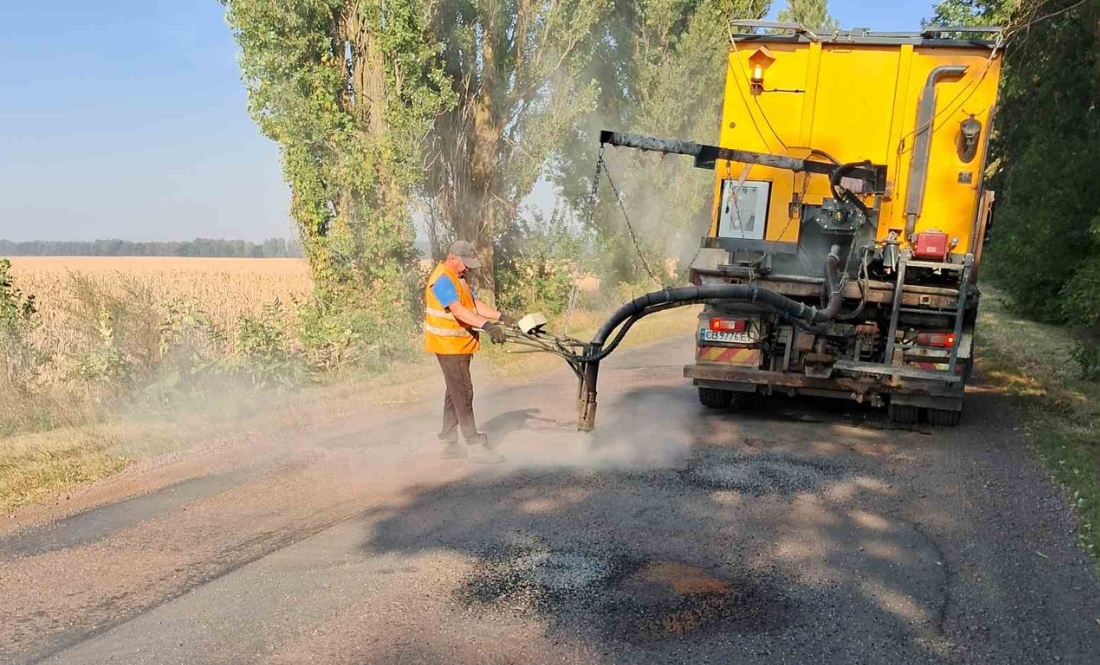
(848, 221)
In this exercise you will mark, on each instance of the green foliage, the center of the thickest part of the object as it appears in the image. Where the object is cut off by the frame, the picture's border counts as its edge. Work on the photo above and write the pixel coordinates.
(1086, 353)
(972, 12)
(1080, 296)
(263, 348)
(661, 68)
(117, 336)
(538, 264)
(21, 361)
(347, 90)
(1042, 249)
(191, 344)
(104, 362)
(811, 14)
(335, 338)
(517, 71)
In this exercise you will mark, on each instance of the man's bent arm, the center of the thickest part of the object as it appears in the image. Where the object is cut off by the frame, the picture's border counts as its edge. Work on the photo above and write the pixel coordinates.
(486, 311)
(466, 316)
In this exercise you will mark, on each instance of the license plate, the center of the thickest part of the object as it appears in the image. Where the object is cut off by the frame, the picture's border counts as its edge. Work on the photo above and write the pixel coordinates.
(725, 337)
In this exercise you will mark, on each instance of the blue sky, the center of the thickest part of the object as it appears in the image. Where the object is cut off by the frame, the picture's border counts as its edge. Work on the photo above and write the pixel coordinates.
(128, 119)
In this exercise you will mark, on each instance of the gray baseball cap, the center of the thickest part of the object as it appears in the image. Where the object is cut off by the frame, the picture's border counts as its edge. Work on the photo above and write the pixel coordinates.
(465, 251)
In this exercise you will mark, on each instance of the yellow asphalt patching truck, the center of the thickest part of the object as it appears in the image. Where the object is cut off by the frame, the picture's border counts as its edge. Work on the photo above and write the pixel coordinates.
(848, 221)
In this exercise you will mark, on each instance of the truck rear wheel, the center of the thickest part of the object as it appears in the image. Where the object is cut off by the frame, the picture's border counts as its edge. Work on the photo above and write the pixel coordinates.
(749, 401)
(903, 414)
(714, 398)
(944, 418)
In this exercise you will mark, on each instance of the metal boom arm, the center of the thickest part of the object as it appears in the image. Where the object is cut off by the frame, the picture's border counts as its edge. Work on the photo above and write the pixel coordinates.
(706, 156)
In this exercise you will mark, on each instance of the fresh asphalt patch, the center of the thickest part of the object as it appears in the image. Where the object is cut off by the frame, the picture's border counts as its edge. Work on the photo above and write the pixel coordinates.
(759, 474)
(624, 598)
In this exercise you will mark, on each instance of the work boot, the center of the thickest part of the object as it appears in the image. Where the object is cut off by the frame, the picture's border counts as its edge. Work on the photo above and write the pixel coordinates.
(451, 448)
(479, 448)
(454, 450)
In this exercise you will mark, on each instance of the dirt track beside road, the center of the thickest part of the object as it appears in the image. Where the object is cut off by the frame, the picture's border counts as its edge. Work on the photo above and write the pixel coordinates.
(807, 532)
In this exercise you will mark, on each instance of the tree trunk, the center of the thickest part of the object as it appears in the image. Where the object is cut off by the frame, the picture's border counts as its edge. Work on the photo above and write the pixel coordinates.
(477, 223)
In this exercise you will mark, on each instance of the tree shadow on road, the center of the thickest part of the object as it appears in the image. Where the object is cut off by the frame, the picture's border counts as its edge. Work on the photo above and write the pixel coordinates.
(726, 551)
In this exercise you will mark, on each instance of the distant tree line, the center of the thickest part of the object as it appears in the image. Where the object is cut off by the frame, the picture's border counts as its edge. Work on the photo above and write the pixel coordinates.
(272, 248)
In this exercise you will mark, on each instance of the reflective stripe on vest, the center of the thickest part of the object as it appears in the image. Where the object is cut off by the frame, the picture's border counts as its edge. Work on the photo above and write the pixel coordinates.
(440, 314)
(443, 333)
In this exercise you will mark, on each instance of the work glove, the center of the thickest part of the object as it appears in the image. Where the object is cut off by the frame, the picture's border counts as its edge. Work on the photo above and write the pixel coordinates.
(496, 332)
(507, 320)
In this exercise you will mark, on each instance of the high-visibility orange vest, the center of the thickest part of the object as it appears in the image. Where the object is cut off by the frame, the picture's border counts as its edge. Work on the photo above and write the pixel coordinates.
(443, 333)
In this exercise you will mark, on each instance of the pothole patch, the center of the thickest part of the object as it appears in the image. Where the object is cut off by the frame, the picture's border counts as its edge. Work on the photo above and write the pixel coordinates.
(533, 578)
(622, 598)
(668, 600)
(763, 473)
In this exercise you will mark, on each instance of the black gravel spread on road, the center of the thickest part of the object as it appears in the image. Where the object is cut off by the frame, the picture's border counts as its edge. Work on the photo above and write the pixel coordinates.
(759, 474)
(625, 598)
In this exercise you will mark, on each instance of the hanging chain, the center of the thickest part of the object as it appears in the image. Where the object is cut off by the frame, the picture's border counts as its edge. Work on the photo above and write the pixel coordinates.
(593, 198)
(601, 167)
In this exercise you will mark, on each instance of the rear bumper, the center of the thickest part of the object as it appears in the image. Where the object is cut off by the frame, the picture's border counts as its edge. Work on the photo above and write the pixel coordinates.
(923, 389)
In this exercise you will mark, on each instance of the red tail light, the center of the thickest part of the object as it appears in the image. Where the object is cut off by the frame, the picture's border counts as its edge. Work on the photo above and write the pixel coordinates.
(940, 340)
(728, 325)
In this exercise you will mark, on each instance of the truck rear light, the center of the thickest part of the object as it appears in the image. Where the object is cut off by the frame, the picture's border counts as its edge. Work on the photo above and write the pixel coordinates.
(728, 325)
(930, 245)
(939, 340)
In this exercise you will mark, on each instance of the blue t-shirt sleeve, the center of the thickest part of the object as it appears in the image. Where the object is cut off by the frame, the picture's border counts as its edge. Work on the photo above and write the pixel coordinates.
(444, 291)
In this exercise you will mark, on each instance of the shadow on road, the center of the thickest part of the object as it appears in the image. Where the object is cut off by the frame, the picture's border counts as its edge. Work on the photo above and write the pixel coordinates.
(732, 537)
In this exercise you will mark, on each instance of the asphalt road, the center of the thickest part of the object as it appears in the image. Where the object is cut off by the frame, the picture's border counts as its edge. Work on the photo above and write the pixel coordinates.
(809, 532)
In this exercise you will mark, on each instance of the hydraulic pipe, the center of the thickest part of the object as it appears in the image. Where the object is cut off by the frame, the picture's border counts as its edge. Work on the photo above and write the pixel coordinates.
(707, 155)
(588, 365)
(689, 295)
(922, 145)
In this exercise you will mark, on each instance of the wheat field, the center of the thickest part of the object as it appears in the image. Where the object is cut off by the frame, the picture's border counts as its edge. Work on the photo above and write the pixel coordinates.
(224, 289)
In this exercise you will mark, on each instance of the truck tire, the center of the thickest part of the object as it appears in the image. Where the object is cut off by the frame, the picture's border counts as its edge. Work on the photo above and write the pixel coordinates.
(713, 398)
(749, 401)
(903, 414)
(944, 418)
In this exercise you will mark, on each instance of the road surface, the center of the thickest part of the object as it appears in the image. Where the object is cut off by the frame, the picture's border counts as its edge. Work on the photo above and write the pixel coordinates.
(804, 533)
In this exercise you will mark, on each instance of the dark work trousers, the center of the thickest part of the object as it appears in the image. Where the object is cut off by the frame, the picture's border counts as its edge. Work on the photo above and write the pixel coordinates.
(458, 404)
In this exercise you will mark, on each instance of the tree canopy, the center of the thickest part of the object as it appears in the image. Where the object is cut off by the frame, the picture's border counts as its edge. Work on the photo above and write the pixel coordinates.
(812, 14)
(452, 111)
(1045, 242)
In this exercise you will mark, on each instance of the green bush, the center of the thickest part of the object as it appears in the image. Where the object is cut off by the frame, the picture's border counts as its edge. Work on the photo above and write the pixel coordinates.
(1086, 353)
(1048, 132)
(340, 334)
(537, 265)
(1080, 297)
(117, 332)
(264, 351)
(104, 362)
(20, 360)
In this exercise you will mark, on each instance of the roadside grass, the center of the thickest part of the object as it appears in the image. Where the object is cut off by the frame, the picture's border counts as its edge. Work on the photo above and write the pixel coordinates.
(1034, 361)
(38, 466)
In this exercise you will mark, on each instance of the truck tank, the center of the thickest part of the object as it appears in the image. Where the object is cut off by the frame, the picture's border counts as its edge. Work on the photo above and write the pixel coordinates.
(848, 221)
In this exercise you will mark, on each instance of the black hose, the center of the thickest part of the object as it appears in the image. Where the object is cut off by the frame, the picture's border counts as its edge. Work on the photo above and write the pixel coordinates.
(683, 296)
(864, 278)
(846, 195)
(834, 286)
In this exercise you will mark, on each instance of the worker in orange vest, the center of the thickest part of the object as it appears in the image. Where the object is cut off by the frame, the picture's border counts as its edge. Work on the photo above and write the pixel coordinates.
(453, 317)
